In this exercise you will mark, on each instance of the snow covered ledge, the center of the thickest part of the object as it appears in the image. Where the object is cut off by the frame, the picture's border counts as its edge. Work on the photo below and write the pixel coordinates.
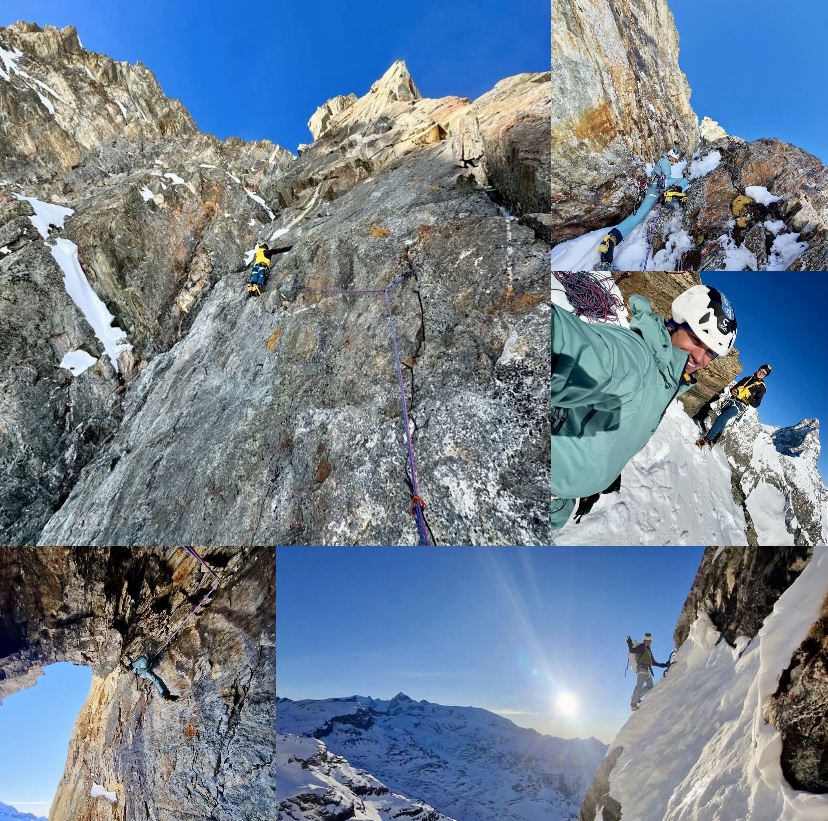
(700, 746)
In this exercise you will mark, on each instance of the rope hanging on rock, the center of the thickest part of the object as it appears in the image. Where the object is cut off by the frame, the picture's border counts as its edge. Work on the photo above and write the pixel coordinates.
(192, 612)
(417, 504)
(589, 295)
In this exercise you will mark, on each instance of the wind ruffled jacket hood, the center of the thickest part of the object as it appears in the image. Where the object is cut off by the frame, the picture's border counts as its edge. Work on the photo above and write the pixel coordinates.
(615, 385)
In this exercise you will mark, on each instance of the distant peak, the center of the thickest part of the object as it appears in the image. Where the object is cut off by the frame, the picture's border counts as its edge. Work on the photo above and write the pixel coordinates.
(396, 83)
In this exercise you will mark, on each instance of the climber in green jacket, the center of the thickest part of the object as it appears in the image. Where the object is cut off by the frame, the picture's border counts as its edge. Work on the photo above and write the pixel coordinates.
(611, 386)
(142, 667)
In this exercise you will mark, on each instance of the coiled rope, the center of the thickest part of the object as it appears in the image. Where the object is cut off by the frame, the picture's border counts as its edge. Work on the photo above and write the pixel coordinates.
(589, 295)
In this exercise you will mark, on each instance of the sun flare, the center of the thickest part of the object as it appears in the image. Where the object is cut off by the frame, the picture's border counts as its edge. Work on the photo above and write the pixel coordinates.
(566, 703)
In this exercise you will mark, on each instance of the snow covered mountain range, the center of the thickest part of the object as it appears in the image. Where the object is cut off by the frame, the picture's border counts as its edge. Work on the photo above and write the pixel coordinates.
(758, 486)
(468, 763)
(9, 813)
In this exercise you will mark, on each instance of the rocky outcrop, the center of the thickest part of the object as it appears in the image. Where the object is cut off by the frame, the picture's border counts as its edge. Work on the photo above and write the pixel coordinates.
(209, 753)
(799, 708)
(737, 588)
(313, 784)
(289, 411)
(776, 470)
(620, 100)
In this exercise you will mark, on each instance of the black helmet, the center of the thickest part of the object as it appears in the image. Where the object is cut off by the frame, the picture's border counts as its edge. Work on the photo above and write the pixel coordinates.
(767, 368)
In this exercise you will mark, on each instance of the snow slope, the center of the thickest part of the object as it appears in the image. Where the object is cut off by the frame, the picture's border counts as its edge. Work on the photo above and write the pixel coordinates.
(312, 784)
(699, 748)
(468, 763)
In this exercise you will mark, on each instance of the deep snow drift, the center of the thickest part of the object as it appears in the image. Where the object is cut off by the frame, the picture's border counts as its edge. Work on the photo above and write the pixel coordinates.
(699, 748)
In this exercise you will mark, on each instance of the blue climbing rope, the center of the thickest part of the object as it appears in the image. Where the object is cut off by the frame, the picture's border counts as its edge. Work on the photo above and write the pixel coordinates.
(589, 296)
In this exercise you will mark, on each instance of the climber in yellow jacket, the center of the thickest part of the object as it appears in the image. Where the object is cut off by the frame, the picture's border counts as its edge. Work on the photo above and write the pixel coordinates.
(261, 267)
(747, 391)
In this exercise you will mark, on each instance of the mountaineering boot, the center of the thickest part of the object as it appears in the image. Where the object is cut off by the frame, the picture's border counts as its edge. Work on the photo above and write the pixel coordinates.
(674, 194)
(704, 441)
(607, 246)
(254, 290)
(603, 266)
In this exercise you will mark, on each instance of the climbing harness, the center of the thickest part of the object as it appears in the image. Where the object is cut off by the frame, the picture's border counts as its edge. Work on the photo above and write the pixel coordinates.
(590, 296)
(192, 612)
(417, 508)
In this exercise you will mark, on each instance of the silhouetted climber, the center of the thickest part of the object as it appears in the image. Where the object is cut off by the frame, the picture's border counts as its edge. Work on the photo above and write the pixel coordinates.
(142, 667)
(660, 187)
(260, 272)
(747, 391)
(641, 658)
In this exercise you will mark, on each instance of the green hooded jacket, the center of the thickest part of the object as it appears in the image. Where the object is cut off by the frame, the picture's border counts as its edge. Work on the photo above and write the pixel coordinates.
(610, 388)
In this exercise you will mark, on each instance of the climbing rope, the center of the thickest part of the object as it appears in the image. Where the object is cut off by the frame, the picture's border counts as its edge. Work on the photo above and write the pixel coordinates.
(590, 296)
(178, 629)
(417, 508)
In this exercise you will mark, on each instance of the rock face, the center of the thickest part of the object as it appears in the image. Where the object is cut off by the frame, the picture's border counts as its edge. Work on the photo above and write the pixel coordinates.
(277, 420)
(209, 753)
(466, 762)
(620, 101)
(160, 211)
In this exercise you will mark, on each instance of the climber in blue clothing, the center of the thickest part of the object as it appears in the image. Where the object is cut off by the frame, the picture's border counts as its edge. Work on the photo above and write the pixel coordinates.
(142, 666)
(660, 185)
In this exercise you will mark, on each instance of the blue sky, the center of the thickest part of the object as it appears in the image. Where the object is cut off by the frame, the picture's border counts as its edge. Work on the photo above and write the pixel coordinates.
(783, 320)
(260, 69)
(758, 67)
(504, 628)
(35, 728)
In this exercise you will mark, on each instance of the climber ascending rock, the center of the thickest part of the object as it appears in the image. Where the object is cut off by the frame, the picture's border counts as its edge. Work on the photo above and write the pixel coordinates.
(142, 667)
(661, 187)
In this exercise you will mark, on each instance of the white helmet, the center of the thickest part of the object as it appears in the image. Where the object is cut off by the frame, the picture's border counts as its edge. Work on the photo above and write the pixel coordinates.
(709, 314)
(673, 154)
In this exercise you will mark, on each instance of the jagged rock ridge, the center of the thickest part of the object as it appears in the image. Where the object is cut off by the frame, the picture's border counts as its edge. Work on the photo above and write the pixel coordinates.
(210, 753)
(277, 420)
(312, 784)
(466, 762)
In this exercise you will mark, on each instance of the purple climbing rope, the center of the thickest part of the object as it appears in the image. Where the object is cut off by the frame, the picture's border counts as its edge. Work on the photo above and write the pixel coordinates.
(178, 629)
(589, 296)
(417, 504)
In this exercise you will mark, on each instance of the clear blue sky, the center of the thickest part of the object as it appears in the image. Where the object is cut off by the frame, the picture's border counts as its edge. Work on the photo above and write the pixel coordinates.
(35, 728)
(783, 320)
(758, 67)
(504, 628)
(260, 69)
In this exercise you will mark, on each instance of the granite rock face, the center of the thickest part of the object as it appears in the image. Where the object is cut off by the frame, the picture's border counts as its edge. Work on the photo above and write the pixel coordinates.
(208, 754)
(278, 420)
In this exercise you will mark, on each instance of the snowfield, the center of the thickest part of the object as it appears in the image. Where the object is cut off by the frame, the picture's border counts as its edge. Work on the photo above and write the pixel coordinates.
(699, 748)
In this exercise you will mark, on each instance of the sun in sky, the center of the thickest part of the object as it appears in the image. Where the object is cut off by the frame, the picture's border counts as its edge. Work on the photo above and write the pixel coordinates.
(566, 703)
